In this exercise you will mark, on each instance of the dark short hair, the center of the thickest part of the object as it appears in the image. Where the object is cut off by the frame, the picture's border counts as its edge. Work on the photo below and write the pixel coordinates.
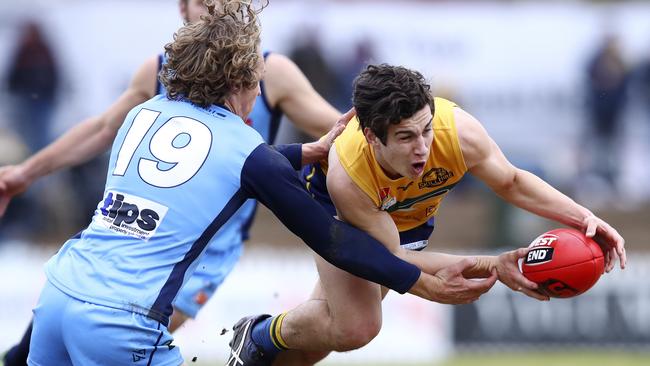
(385, 94)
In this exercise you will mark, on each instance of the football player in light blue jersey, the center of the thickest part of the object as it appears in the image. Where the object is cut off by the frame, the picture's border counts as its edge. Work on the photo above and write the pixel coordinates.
(284, 90)
(283, 86)
(181, 165)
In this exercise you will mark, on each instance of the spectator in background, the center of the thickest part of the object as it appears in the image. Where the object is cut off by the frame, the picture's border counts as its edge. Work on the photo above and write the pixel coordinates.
(32, 81)
(606, 97)
(308, 55)
(643, 81)
(362, 55)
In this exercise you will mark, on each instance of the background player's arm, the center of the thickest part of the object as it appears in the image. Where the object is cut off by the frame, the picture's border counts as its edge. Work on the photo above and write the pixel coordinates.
(81, 143)
(355, 207)
(523, 189)
(299, 155)
(288, 88)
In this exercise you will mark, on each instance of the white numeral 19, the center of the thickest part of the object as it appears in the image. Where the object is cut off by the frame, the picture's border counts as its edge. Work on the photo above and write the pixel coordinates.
(181, 141)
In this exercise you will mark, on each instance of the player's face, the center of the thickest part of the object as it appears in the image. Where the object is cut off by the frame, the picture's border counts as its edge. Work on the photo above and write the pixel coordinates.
(407, 145)
(191, 10)
(243, 101)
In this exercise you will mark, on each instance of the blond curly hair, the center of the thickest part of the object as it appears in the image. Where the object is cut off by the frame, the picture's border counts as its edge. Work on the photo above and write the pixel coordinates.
(216, 56)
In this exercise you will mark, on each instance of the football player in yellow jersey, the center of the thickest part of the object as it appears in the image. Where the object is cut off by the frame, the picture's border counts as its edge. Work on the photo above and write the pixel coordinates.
(387, 176)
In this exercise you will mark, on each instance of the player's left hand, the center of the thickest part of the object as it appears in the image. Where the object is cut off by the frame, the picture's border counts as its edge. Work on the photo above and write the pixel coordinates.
(608, 238)
(338, 128)
(507, 266)
(319, 150)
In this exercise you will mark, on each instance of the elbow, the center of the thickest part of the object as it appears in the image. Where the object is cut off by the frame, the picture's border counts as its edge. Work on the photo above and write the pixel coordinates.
(507, 187)
(508, 184)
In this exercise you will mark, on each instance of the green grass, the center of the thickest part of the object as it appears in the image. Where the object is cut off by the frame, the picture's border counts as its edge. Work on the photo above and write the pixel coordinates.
(586, 358)
(553, 359)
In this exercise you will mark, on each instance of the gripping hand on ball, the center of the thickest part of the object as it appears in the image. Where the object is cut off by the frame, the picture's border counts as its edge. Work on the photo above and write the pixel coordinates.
(507, 266)
(610, 241)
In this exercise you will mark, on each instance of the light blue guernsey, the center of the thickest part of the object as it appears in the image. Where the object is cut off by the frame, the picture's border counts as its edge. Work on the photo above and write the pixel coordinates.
(264, 119)
(177, 173)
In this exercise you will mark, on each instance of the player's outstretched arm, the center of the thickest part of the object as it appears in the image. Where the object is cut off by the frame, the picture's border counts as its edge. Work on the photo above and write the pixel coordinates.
(82, 142)
(340, 244)
(523, 189)
(288, 88)
(450, 272)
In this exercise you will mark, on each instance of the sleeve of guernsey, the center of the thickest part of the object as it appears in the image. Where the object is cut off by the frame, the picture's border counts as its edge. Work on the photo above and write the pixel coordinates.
(268, 177)
(293, 153)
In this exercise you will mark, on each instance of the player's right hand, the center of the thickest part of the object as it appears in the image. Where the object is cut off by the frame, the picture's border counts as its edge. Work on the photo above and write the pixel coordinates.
(509, 274)
(12, 182)
(338, 127)
(455, 289)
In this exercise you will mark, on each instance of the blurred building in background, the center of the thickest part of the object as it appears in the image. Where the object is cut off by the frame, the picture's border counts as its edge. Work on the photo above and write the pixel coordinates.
(560, 95)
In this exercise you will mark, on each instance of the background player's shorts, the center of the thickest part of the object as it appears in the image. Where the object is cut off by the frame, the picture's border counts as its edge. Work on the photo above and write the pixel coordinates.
(213, 268)
(315, 181)
(68, 331)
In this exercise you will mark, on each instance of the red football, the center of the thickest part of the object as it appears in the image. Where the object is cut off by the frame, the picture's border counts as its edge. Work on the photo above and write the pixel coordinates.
(563, 262)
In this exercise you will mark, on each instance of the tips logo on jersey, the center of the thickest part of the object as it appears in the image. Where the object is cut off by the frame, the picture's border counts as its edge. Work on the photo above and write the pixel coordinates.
(130, 215)
(541, 250)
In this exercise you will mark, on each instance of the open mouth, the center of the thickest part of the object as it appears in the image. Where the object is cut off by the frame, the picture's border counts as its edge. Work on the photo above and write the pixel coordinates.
(418, 167)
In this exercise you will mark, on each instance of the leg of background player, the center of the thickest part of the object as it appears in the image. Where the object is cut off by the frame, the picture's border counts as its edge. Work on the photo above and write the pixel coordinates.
(17, 355)
(177, 319)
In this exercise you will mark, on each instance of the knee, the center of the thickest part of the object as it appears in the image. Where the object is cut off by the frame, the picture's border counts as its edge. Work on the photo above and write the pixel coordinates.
(356, 334)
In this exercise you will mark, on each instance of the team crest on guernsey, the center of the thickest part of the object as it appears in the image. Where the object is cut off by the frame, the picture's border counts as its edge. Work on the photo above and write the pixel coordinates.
(435, 177)
(387, 200)
(130, 215)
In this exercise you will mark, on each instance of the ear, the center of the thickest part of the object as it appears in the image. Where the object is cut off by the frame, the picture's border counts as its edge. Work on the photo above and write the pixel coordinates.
(371, 137)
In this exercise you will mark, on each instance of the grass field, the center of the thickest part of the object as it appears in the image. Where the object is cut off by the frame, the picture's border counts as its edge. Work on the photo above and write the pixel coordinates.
(524, 359)
(538, 359)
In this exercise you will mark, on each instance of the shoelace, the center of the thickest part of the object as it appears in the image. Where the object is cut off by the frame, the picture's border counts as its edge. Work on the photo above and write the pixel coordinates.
(234, 353)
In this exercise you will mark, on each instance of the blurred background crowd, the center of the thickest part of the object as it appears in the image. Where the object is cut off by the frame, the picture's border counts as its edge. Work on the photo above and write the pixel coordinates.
(562, 86)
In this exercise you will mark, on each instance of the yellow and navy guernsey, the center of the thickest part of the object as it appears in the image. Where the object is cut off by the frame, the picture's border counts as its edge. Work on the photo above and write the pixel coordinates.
(411, 203)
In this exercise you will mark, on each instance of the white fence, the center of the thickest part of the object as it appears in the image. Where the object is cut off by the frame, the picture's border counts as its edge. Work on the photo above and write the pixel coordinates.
(264, 281)
(614, 312)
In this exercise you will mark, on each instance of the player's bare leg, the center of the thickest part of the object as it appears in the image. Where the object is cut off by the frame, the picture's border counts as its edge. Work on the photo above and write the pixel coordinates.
(305, 358)
(344, 314)
(178, 318)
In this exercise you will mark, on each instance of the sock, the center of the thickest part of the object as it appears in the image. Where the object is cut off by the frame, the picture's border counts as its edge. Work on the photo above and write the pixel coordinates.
(17, 355)
(266, 334)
